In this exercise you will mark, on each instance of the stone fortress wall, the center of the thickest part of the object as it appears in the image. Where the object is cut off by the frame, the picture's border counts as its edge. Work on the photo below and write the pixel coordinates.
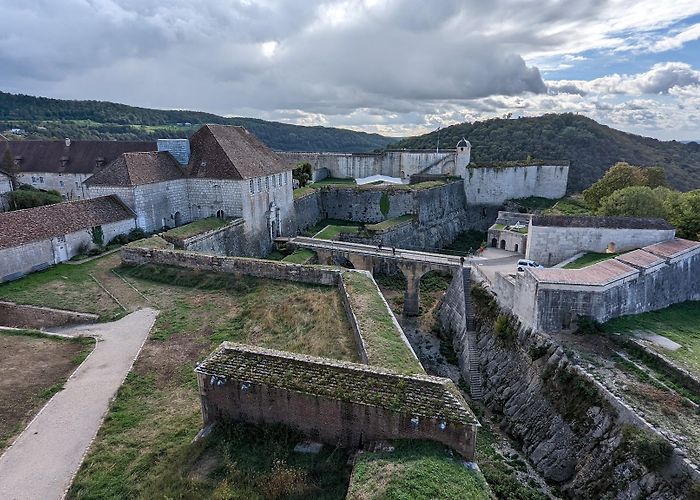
(553, 239)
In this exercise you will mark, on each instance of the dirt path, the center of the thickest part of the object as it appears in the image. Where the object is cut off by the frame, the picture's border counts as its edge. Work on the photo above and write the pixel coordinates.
(45, 457)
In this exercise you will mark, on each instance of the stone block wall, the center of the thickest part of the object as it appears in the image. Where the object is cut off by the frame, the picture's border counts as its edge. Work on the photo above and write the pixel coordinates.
(308, 211)
(229, 240)
(495, 185)
(512, 241)
(550, 245)
(70, 185)
(453, 309)
(24, 316)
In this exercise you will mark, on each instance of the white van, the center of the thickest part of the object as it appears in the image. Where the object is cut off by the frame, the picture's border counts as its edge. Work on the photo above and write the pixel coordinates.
(523, 263)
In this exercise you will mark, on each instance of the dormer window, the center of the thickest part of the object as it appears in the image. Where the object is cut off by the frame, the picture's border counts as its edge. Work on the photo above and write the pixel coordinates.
(99, 162)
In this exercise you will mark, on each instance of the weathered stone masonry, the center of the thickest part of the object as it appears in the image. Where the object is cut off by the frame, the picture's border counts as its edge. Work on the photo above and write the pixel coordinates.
(335, 402)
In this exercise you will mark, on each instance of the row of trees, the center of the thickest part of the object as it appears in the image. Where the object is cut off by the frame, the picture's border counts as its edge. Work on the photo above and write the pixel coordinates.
(630, 191)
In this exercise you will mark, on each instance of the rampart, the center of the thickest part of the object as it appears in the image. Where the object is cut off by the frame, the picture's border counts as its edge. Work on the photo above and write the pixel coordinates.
(647, 279)
(227, 240)
(493, 185)
(335, 402)
(24, 316)
(552, 239)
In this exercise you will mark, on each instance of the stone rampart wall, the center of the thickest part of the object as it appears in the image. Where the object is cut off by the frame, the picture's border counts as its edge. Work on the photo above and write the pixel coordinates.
(237, 265)
(322, 419)
(24, 316)
(453, 309)
(550, 245)
(229, 240)
(494, 185)
(354, 323)
(308, 210)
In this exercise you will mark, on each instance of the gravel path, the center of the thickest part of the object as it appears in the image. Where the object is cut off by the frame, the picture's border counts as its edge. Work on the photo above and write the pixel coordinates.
(43, 460)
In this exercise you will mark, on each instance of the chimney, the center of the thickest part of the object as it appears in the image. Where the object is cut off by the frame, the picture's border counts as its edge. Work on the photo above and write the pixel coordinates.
(179, 148)
(67, 142)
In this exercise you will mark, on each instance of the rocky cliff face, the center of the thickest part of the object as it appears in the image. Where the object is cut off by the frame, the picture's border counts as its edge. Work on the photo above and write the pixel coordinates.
(573, 433)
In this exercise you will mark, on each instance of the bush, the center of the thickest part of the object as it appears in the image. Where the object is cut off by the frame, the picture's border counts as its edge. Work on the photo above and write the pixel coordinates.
(588, 326)
(30, 197)
(504, 328)
(651, 450)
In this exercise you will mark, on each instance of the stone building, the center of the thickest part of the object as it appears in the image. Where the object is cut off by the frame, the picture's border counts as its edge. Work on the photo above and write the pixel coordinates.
(36, 238)
(221, 171)
(554, 238)
(335, 402)
(5, 182)
(64, 165)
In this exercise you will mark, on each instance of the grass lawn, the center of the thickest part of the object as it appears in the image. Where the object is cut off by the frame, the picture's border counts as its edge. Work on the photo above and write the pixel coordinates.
(301, 192)
(333, 232)
(389, 223)
(65, 286)
(333, 181)
(34, 367)
(383, 343)
(416, 470)
(679, 322)
(300, 256)
(465, 242)
(144, 448)
(197, 227)
(588, 259)
(571, 205)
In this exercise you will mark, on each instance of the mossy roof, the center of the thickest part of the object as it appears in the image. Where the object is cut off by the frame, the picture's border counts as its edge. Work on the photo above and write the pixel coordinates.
(419, 395)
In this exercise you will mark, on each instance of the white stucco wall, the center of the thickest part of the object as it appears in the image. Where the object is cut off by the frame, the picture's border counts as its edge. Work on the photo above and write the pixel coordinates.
(5, 183)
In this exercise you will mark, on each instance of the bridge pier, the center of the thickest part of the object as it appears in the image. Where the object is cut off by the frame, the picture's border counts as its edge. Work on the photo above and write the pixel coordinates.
(362, 262)
(413, 272)
(324, 256)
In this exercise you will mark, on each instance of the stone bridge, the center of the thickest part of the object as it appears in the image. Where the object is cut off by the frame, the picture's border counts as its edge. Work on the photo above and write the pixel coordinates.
(412, 264)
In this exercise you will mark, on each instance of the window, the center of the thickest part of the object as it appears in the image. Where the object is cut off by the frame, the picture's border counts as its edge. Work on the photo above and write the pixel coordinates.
(252, 187)
(33, 179)
(61, 183)
(76, 184)
(285, 178)
(259, 184)
(41, 180)
(267, 183)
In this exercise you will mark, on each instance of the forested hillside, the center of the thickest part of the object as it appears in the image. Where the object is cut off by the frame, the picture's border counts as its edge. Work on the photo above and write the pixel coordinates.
(44, 118)
(591, 147)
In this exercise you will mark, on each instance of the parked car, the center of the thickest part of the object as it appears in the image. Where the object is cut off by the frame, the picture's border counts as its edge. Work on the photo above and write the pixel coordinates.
(523, 263)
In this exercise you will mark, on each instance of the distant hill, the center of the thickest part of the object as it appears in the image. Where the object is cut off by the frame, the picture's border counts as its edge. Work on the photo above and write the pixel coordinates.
(44, 118)
(591, 147)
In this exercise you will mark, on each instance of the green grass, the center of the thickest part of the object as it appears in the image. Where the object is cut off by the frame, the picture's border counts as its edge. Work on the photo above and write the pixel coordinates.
(383, 342)
(678, 322)
(415, 470)
(152, 242)
(465, 242)
(300, 256)
(301, 192)
(333, 181)
(536, 203)
(589, 259)
(197, 227)
(64, 286)
(389, 223)
(330, 229)
(572, 205)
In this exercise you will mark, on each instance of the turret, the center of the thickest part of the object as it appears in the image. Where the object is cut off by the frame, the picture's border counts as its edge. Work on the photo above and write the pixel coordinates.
(462, 157)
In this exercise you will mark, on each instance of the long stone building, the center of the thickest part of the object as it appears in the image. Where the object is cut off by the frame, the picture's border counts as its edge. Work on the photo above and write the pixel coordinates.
(36, 238)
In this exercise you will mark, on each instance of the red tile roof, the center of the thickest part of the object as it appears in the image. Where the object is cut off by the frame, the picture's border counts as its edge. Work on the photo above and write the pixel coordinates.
(640, 259)
(600, 273)
(80, 157)
(672, 248)
(36, 224)
(229, 152)
(135, 169)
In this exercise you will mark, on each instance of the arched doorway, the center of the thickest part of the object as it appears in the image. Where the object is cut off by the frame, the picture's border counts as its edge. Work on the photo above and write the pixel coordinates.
(178, 218)
(516, 248)
(503, 244)
(273, 220)
(494, 242)
(611, 247)
(220, 214)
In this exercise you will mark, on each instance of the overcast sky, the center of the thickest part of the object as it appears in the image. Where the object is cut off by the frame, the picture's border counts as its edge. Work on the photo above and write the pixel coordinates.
(398, 67)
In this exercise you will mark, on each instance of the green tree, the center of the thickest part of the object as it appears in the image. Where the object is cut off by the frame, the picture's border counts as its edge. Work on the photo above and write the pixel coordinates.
(620, 176)
(302, 173)
(653, 177)
(633, 201)
(684, 212)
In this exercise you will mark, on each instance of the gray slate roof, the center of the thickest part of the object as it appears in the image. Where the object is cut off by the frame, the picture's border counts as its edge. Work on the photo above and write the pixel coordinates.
(420, 395)
(40, 223)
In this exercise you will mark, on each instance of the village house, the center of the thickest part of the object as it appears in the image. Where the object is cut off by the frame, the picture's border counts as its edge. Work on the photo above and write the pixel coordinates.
(36, 238)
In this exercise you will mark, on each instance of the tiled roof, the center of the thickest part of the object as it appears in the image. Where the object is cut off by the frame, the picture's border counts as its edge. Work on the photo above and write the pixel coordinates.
(229, 152)
(135, 169)
(601, 273)
(672, 248)
(36, 224)
(420, 395)
(599, 222)
(81, 157)
(640, 259)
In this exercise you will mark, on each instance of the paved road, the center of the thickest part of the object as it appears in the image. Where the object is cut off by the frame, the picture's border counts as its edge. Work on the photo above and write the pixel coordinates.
(45, 457)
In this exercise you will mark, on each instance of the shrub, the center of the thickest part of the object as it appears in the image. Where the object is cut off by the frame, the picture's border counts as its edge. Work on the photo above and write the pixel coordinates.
(651, 450)
(384, 204)
(504, 329)
(98, 236)
(588, 326)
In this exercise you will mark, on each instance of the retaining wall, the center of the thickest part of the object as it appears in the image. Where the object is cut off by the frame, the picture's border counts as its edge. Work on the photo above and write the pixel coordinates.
(25, 316)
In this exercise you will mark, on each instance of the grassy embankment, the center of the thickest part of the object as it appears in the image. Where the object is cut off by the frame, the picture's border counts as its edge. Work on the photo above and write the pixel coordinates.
(588, 259)
(197, 227)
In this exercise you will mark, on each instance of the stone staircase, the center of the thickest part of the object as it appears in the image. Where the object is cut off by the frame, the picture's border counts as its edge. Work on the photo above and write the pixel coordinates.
(475, 381)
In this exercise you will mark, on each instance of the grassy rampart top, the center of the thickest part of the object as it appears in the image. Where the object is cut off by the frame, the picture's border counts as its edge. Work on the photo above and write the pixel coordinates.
(384, 344)
(196, 227)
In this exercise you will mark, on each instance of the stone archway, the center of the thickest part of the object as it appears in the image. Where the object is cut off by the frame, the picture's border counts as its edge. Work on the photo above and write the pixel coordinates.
(503, 244)
(516, 248)
(178, 219)
(494, 242)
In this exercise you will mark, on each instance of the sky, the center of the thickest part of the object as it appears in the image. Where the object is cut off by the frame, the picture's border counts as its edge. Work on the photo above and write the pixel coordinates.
(396, 67)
